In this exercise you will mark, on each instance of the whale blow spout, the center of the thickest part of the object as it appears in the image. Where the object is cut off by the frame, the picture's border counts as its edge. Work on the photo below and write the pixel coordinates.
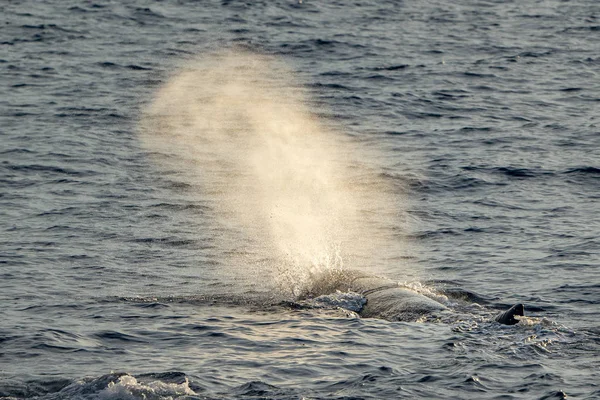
(508, 317)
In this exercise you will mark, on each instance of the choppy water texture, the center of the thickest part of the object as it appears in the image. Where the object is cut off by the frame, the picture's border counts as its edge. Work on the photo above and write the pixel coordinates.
(124, 273)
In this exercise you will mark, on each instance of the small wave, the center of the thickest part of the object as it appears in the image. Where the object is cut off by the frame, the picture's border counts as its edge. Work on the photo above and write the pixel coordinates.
(17, 151)
(391, 67)
(443, 184)
(118, 336)
(434, 233)
(583, 170)
(256, 389)
(37, 168)
(508, 171)
(378, 77)
(137, 67)
(57, 348)
(154, 305)
(334, 86)
(147, 12)
(478, 75)
(48, 27)
(116, 385)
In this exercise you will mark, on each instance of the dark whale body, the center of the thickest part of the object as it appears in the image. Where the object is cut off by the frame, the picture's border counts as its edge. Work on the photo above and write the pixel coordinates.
(388, 300)
(508, 316)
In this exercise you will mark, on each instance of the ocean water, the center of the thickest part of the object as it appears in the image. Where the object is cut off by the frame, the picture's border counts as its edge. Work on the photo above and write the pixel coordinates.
(174, 174)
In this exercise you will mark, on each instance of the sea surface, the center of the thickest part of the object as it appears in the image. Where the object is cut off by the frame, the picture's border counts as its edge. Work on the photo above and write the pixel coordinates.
(470, 128)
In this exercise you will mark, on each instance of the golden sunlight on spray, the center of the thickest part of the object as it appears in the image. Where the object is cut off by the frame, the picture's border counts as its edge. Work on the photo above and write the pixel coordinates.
(237, 126)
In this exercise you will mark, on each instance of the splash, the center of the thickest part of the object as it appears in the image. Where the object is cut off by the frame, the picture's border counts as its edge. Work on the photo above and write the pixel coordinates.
(128, 387)
(236, 126)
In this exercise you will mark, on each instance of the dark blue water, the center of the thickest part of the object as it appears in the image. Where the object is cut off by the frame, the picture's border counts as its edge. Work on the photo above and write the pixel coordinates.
(479, 117)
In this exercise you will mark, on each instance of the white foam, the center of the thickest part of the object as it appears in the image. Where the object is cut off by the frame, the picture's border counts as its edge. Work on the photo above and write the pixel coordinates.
(128, 387)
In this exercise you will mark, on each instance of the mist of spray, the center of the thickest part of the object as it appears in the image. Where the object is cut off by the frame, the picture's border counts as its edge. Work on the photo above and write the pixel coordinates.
(237, 126)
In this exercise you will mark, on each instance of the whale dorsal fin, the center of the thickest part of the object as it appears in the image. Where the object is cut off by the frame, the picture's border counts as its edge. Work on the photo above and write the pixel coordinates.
(508, 316)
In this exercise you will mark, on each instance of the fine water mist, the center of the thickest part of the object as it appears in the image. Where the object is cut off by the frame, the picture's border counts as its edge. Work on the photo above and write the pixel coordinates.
(293, 197)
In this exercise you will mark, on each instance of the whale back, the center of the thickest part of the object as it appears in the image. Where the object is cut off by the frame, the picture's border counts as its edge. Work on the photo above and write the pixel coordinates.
(370, 284)
(400, 304)
(385, 298)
